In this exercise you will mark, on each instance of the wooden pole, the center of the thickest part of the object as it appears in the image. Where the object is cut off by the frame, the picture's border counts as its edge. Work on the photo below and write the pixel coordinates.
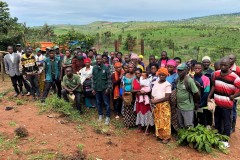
(142, 47)
(2, 70)
(173, 51)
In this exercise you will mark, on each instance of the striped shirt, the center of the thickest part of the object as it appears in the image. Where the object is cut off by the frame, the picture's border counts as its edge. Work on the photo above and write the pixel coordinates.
(225, 86)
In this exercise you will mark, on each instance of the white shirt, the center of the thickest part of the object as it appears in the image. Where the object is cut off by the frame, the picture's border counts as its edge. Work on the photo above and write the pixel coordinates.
(145, 82)
(11, 57)
(85, 73)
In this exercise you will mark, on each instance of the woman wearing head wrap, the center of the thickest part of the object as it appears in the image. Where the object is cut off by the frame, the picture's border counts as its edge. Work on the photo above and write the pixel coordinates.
(116, 81)
(162, 111)
(134, 59)
(173, 76)
(86, 80)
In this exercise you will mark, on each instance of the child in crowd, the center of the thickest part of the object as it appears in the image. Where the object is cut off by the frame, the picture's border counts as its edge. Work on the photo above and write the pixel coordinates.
(145, 87)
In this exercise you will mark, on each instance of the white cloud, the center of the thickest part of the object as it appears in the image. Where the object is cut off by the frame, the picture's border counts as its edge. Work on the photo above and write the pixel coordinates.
(37, 12)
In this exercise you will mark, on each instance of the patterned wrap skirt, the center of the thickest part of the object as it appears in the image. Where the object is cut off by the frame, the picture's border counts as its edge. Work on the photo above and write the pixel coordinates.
(162, 119)
(129, 115)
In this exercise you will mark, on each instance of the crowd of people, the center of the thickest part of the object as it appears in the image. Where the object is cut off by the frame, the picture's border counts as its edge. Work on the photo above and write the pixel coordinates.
(166, 93)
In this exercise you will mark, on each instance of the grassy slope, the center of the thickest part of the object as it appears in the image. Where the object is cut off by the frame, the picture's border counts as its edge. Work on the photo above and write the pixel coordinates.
(220, 31)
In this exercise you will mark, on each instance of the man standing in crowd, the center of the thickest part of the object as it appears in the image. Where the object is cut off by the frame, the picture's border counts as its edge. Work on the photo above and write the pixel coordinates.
(11, 62)
(126, 59)
(112, 56)
(235, 69)
(72, 85)
(187, 97)
(101, 87)
(207, 71)
(163, 60)
(30, 71)
(94, 50)
(40, 63)
(151, 61)
(52, 74)
(226, 85)
(19, 50)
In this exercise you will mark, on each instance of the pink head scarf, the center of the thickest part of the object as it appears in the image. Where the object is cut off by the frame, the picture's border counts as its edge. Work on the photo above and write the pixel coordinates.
(171, 62)
(134, 56)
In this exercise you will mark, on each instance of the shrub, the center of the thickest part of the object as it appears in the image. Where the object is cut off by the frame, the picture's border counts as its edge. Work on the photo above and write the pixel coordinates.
(21, 132)
(202, 139)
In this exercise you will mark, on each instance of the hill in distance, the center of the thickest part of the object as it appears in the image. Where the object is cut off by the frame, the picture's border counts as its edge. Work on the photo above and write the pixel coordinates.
(222, 20)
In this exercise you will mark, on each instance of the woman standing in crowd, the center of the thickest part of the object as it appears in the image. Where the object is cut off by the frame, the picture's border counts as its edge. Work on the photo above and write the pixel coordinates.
(129, 116)
(116, 80)
(40, 63)
(86, 81)
(162, 111)
(143, 110)
(77, 61)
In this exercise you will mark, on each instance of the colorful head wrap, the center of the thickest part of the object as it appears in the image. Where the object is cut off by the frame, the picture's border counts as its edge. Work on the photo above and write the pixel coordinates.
(140, 56)
(162, 70)
(206, 58)
(134, 56)
(117, 64)
(87, 60)
(171, 62)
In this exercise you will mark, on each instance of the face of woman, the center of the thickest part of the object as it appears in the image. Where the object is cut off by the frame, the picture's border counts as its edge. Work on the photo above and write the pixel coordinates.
(87, 64)
(68, 54)
(130, 68)
(138, 74)
(162, 77)
(153, 70)
(118, 69)
(125, 68)
(170, 68)
(105, 59)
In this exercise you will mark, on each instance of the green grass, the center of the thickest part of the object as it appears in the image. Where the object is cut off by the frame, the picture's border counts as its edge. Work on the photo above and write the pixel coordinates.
(7, 144)
(12, 124)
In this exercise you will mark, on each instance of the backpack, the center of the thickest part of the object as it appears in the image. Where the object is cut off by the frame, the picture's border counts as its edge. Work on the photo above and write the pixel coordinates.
(87, 88)
(185, 81)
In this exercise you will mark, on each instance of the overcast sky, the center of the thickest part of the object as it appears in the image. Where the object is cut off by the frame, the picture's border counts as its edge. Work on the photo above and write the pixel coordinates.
(38, 12)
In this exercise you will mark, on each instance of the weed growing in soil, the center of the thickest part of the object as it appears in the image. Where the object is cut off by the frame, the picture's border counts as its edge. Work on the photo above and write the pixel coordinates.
(7, 144)
(19, 102)
(21, 132)
(12, 123)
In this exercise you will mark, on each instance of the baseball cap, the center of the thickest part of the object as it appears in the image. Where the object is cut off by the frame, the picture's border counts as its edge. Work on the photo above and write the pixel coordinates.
(56, 47)
(18, 44)
(182, 66)
(38, 49)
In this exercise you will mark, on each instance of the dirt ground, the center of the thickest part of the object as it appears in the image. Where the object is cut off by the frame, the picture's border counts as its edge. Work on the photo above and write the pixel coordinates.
(49, 137)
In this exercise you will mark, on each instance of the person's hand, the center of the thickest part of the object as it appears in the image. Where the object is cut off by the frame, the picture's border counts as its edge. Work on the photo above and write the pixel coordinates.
(70, 92)
(232, 98)
(209, 100)
(93, 92)
(142, 92)
(152, 101)
(107, 92)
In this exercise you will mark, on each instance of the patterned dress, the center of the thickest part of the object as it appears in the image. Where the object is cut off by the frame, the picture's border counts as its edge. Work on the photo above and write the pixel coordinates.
(129, 116)
(162, 111)
(144, 113)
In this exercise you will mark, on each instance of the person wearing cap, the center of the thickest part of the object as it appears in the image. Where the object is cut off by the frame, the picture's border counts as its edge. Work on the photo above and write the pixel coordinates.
(116, 81)
(40, 63)
(47, 51)
(86, 81)
(71, 84)
(163, 60)
(187, 97)
(140, 61)
(57, 51)
(207, 71)
(19, 50)
(52, 74)
(101, 88)
(30, 71)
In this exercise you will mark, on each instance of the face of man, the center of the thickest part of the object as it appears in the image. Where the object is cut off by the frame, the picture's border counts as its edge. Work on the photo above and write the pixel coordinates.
(94, 50)
(90, 54)
(10, 49)
(51, 54)
(151, 59)
(69, 72)
(112, 55)
(127, 58)
(119, 56)
(198, 69)
(182, 73)
(105, 59)
(19, 48)
(39, 53)
(232, 59)
(99, 60)
(164, 55)
(57, 50)
(206, 63)
(224, 65)
(28, 52)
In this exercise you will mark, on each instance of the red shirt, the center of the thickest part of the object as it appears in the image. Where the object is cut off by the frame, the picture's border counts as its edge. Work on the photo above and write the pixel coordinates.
(225, 86)
(236, 69)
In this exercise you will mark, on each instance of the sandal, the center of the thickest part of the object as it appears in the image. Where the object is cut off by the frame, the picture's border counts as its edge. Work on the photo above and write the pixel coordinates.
(165, 141)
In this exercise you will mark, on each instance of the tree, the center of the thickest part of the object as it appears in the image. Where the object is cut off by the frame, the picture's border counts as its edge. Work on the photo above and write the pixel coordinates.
(130, 42)
(48, 32)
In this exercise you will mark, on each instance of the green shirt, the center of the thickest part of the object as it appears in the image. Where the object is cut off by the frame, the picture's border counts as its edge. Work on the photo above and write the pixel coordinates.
(72, 83)
(183, 101)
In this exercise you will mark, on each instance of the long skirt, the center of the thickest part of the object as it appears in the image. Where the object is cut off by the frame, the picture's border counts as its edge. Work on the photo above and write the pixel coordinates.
(129, 116)
(144, 114)
(162, 119)
(174, 115)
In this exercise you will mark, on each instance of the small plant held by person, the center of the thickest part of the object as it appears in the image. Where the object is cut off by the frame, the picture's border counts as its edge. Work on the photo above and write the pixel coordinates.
(202, 139)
